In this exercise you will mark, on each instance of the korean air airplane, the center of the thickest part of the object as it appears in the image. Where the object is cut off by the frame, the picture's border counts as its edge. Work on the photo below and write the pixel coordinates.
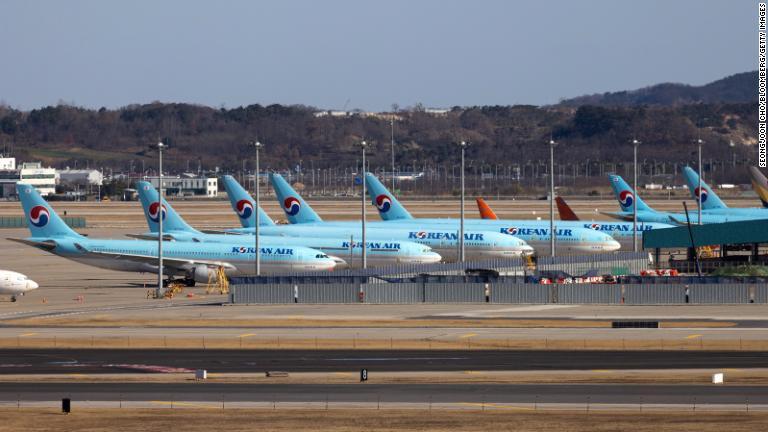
(621, 231)
(340, 248)
(569, 238)
(191, 261)
(712, 204)
(478, 244)
(628, 199)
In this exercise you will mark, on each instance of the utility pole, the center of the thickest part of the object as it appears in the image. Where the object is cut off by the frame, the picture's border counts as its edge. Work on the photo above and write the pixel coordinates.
(257, 145)
(701, 173)
(363, 144)
(552, 145)
(160, 213)
(462, 254)
(392, 142)
(635, 143)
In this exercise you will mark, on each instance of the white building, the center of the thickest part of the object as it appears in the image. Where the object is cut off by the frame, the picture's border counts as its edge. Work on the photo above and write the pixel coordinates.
(82, 177)
(188, 185)
(7, 163)
(43, 179)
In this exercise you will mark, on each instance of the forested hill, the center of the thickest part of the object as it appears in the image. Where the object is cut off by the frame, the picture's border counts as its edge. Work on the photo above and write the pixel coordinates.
(736, 88)
(66, 135)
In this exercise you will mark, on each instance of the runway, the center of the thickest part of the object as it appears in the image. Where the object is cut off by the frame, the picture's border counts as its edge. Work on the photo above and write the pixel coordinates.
(48, 361)
(386, 393)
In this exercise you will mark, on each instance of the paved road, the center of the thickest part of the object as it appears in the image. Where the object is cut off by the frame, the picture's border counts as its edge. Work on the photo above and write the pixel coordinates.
(115, 361)
(373, 393)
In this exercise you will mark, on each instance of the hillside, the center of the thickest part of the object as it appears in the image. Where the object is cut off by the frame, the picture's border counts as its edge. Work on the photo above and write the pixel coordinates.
(738, 88)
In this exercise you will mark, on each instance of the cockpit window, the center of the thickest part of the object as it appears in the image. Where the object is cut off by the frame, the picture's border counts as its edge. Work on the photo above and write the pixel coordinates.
(321, 256)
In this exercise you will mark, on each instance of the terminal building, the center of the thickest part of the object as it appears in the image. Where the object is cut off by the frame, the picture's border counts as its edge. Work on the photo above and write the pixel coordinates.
(44, 179)
(188, 185)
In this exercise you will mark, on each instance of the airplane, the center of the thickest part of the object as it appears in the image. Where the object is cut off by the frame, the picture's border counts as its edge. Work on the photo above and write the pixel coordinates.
(306, 222)
(570, 239)
(627, 199)
(759, 184)
(621, 231)
(346, 253)
(712, 204)
(195, 262)
(15, 284)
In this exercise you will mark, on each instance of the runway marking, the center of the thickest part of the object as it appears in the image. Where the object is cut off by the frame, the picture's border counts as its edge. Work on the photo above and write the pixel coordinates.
(78, 375)
(345, 374)
(468, 335)
(28, 334)
(693, 336)
(602, 371)
(470, 372)
(245, 335)
(493, 405)
(186, 404)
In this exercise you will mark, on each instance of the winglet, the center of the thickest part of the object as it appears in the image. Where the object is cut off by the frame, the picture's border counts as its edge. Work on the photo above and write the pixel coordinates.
(759, 184)
(486, 212)
(565, 211)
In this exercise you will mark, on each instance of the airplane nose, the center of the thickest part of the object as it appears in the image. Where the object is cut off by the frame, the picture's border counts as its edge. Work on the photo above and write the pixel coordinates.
(613, 245)
(32, 285)
(432, 257)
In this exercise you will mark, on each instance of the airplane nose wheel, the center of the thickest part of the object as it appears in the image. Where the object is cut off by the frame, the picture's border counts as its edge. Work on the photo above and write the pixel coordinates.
(13, 299)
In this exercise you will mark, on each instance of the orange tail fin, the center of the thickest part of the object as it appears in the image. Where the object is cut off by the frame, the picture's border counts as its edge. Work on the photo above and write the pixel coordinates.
(565, 211)
(485, 209)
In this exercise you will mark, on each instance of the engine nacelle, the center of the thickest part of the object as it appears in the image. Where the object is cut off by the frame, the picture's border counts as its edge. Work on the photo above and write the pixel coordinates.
(203, 274)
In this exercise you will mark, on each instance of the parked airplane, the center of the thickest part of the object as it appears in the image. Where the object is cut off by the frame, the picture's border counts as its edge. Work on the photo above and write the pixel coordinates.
(192, 261)
(628, 199)
(478, 244)
(570, 239)
(759, 184)
(345, 252)
(15, 284)
(712, 204)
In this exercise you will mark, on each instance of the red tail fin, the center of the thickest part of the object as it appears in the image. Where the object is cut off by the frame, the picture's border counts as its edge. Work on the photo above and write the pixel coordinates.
(565, 211)
(485, 209)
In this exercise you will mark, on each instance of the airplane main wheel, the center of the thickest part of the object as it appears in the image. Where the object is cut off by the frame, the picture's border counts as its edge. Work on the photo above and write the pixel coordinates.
(189, 282)
(13, 299)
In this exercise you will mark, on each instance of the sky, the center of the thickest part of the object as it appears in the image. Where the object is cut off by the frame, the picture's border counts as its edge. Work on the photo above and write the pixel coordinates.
(346, 54)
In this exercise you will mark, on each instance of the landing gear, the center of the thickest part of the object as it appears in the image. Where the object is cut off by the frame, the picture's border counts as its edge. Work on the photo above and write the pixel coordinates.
(189, 282)
(13, 299)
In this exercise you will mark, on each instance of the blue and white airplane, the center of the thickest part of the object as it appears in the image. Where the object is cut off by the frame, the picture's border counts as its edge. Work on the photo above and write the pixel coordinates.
(478, 244)
(192, 261)
(569, 237)
(628, 199)
(346, 253)
(711, 204)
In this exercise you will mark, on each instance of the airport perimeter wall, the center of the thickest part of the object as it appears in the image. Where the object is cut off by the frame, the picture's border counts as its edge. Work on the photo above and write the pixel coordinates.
(500, 293)
(21, 222)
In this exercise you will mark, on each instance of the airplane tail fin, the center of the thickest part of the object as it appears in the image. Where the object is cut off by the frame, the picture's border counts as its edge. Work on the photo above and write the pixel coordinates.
(296, 209)
(42, 219)
(565, 211)
(148, 196)
(759, 184)
(626, 196)
(242, 203)
(388, 206)
(486, 212)
(709, 199)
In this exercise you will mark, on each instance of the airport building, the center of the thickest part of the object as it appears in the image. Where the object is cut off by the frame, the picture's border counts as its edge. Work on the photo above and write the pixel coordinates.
(85, 177)
(188, 185)
(44, 179)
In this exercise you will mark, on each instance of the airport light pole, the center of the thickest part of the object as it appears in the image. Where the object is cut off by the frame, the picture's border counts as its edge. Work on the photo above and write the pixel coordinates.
(257, 253)
(159, 293)
(699, 142)
(392, 143)
(635, 143)
(462, 254)
(363, 145)
(552, 145)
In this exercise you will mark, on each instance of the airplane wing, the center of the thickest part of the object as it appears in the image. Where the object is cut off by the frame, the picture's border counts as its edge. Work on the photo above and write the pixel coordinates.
(213, 231)
(47, 245)
(176, 263)
(618, 216)
(166, 237)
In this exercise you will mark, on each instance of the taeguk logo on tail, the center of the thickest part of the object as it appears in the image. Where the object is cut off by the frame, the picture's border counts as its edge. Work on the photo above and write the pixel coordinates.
(626, 198)
(383, 203)
(701, 193)
(39, 216)
(154, 214)
(244, 209)
(291, 206)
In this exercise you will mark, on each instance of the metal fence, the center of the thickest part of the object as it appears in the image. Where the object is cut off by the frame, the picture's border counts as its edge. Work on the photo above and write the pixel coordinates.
(500, 293)
(617, 263)
(21, 222)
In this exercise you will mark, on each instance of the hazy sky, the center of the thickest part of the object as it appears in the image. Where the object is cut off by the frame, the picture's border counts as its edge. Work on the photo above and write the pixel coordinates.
(373, 53)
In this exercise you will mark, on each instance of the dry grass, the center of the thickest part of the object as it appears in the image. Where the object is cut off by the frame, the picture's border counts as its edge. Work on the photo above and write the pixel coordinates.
(233, 420)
